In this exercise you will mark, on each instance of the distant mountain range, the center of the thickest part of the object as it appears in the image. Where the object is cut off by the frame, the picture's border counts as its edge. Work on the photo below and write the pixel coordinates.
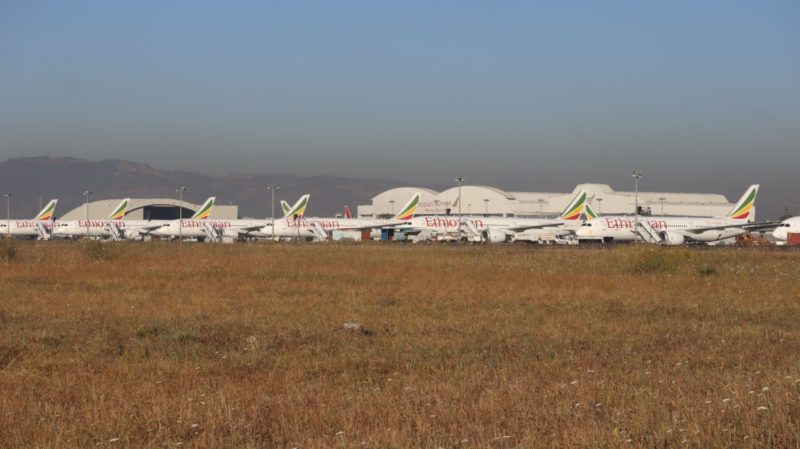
(67, 178)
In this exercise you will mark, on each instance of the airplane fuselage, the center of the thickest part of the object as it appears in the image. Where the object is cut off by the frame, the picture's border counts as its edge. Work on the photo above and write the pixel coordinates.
(790, 225)
(623, 228)
(24, 228)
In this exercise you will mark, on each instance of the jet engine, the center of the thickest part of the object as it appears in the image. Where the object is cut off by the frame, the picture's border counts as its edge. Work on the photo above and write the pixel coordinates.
(672, 238)
(495, 236)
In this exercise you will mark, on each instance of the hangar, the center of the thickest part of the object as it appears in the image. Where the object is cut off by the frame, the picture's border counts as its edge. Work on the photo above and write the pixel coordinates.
(484, 200)
(148, 209)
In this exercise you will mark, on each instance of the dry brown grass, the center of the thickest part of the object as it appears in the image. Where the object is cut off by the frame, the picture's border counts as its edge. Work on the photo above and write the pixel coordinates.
(161, 345)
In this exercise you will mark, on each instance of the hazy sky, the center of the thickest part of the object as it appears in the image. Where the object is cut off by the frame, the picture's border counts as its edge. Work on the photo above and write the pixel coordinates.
(699, 95)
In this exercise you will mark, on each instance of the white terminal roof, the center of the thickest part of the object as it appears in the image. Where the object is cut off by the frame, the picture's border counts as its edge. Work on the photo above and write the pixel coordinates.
(100, 209)
(493, 201)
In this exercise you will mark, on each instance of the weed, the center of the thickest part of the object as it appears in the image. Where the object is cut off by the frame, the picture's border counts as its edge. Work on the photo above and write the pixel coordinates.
(487, 346)
(98, 250)
(8, 249)
(707, 270)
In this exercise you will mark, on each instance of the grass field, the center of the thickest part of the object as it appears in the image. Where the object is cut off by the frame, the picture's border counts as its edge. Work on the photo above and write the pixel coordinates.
(229, 346)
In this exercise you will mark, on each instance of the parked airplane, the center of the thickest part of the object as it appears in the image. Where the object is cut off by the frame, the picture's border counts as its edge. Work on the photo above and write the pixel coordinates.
(319, 228)
(491, 229)
(298, 209)
(94, 228)
(198, 226)
(39, 226)
(668, 230)
(246, 228)
(790, 225)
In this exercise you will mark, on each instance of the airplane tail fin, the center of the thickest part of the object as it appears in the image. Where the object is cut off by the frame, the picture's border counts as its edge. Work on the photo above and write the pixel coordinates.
(409, 210)
(347, 213)
(299, 209)
(205, 209)
(285, 208)
(120, 210)
(575, 207)
(589, 212)
(745, 207)
(47, 213)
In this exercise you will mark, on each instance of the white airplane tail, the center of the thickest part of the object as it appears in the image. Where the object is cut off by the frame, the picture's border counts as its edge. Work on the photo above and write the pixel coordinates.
(589, 212)
(299, 209)
(745, 208)
(48, 212)
(575, 207)
(118, 212)
(205, 209)
(409, 210)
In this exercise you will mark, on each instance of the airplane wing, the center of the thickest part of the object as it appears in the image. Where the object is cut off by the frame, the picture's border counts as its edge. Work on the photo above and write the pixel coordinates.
(539, 226)
(746, 226)
(148, 229)
(249, 229)
(371, 226)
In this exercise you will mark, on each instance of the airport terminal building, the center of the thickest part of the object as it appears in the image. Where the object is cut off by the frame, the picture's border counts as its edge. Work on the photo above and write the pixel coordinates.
(483, 200)
(148, 209)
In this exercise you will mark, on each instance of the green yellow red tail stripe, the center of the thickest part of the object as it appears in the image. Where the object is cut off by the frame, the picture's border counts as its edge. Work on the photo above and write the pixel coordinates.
(744, 208)
(409, 210)
(205, 210)
(575, 208)
(120, 210)
(47, 213)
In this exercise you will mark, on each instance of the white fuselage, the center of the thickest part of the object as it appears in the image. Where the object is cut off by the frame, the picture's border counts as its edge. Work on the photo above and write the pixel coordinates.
(24, 228)
(790, 225)
(305, 227)
(190, 228)
(81, 228)
(449, 224)
(622, 228)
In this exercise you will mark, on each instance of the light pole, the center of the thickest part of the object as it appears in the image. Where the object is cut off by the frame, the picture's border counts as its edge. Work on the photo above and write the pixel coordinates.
(460, 181)
(636, 175)
(392, 203)
(272, 188)
(88, 194)
(435, 208)
(180, 191)
(486, 207)
(8, 214)
(541, 201)
(599, 205)
(662, 205)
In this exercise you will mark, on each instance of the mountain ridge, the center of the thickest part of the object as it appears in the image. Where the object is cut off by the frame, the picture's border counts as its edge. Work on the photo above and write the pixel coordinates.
(66, 178)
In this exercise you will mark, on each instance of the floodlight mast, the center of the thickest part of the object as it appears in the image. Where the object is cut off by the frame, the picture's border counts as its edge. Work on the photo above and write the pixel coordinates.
(636, 175)
(460, 180)
(272, 188)
(8, 214)
(180, 191)
(88, 194)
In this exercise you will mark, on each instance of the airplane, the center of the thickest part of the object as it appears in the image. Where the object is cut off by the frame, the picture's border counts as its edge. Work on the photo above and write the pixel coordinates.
(318, 228)
(790, 225)
(347, 213)
(39, 226)
(249, 228)
(93, 228)
(668, 230)
(572, 220)
(490, 229)
(197, 226)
